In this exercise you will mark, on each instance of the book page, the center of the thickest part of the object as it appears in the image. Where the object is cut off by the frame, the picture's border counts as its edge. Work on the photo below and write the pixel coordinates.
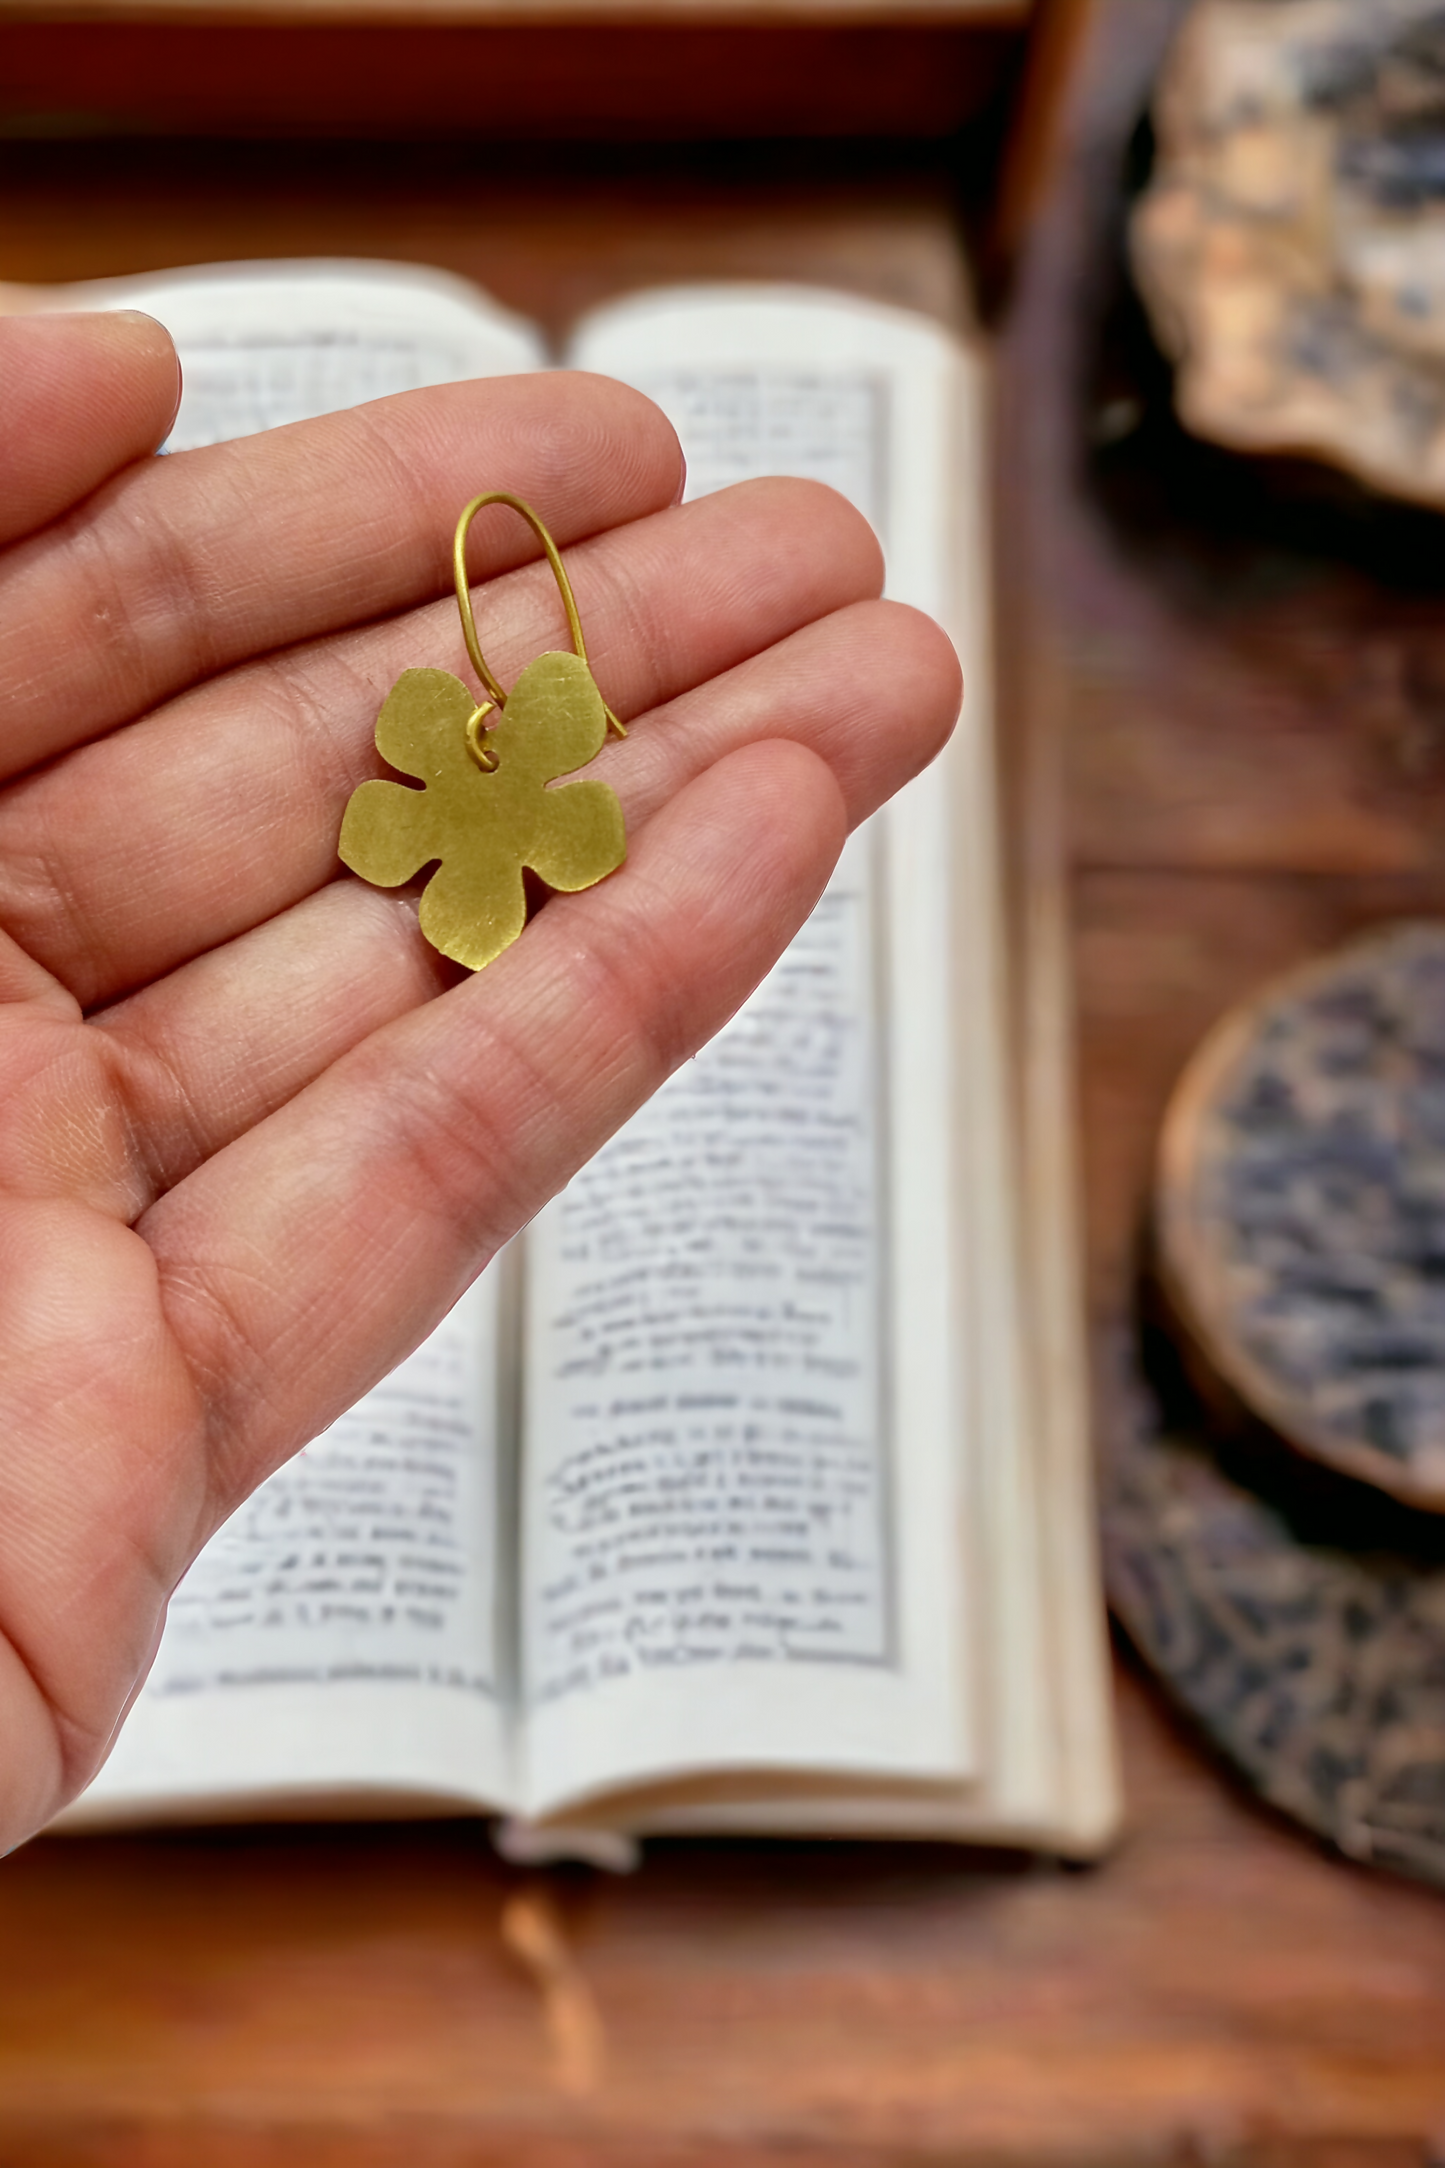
(794, 1429)
(894, 412)
(262, 344)
(1046, 1771)
(341, 1631)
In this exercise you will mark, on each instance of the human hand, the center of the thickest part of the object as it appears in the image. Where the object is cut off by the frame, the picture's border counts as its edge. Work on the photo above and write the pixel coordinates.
(255, 1136)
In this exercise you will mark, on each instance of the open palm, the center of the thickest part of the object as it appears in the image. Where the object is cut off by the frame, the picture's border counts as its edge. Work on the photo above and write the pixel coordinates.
(255, 1137)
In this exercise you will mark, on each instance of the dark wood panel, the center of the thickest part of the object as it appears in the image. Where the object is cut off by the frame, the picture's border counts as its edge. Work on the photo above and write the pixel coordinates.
(548, 233)
(669, 80)
(1217, 725)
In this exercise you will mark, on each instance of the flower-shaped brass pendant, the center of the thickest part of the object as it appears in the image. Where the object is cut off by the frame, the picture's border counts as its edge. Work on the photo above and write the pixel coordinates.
(484, 810)
(485, 825)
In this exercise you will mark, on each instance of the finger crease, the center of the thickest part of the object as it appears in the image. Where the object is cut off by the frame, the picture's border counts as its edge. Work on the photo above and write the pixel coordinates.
(164, 1134)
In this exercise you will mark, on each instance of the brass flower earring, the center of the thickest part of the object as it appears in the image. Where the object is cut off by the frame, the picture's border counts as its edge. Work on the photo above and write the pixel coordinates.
(485, 811)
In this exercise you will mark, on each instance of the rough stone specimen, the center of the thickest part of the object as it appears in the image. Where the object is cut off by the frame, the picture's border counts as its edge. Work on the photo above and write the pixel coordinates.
(1290, 247)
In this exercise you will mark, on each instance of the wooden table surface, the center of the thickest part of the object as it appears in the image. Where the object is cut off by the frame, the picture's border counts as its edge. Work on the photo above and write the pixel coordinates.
(1217, 1991)
(1253, 759)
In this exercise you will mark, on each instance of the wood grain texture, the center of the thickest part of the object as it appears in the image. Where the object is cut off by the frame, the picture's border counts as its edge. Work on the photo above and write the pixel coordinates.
(1219, 1992)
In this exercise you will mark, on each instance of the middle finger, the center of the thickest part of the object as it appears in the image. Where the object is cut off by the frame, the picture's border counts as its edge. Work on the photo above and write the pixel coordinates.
(133, 854)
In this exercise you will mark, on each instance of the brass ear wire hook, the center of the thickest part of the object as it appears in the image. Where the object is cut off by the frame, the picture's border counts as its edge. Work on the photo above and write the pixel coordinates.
(483, 755)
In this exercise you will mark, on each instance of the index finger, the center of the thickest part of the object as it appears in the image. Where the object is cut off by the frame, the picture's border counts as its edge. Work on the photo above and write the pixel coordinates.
(182, 566)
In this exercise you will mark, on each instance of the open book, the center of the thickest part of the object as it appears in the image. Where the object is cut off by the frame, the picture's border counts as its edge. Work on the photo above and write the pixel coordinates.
(747, 1492)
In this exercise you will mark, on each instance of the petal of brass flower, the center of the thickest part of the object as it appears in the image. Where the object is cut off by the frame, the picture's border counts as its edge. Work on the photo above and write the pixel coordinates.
(386, 833)
(421, 728)
(474, 906)
(579, 838)
(554, 720)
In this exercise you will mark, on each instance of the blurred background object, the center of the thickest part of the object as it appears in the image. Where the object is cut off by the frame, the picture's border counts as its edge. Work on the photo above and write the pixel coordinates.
(1223, 739)
(1290, 245)
(1274, 1531)
(1267, 390)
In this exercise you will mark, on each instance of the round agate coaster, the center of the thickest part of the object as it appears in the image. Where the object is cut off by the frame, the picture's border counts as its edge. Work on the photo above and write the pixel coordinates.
(1301, 1208)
